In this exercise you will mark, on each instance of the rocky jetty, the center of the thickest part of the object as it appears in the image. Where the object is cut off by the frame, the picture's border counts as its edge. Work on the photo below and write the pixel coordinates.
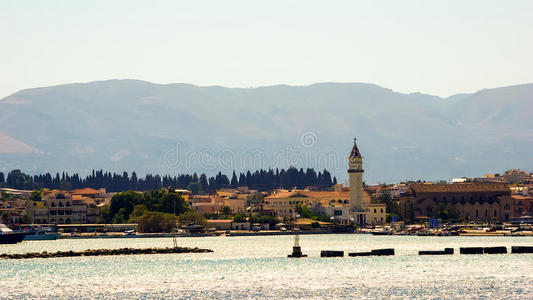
(101, 252)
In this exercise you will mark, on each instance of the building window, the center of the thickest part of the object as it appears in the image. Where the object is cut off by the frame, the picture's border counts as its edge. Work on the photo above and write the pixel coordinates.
(337, 212)
(67, 204)
(375, 210)
(60, 204)
(477, 213)
(382, 212)
(495, 214)
(53, 204)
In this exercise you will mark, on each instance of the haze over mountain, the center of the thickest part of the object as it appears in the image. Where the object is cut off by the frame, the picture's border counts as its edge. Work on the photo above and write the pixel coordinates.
(131, 125)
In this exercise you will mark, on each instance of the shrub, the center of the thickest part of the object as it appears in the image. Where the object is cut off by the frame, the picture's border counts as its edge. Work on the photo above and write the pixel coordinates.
(152, 221)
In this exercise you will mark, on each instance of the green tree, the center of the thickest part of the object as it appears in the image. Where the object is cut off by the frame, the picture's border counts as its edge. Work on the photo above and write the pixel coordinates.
(195, 188)
(122, 204)
(241, 218)
(441, 211)
(18, 180)
(36, 195)
(121, 216)
(152, 221)
(385, 196)
(226, 210)
(105, 216)
(65, 186)
(173, 203)
(303, 211)
(138, 211)
(192, 217)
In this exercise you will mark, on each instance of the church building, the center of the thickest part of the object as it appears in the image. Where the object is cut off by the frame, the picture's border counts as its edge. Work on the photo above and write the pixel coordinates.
(343, 205)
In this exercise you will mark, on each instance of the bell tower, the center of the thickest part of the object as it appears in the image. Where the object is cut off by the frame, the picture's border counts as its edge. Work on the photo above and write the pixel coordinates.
(355, 173)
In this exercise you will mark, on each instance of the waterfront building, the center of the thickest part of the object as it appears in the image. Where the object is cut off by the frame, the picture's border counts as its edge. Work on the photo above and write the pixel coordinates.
(38, 212)
(481, 202)
(344, 205)
(220, 224)
(61, 207)
(355, 174)
(205, 204)
(523, 205)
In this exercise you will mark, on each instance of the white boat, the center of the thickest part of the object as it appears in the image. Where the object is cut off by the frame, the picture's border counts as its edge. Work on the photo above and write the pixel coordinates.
(8, 236)
(41, 234)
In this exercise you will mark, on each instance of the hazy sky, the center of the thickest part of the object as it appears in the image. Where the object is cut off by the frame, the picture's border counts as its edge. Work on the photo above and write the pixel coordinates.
(436, 47)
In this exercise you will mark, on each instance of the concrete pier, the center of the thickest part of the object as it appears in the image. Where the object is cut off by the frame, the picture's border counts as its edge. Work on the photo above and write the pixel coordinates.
(495, 250)
(522, 249)
(331, 253)
(360, 254)
(102, 252)
(471, 250)
(375, 252)
(447, 251)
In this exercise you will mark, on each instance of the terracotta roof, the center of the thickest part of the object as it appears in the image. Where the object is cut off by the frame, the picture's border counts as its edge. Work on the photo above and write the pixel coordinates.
(86, 191)
(521, 197)
(311, 194)
(324, 197)
(460, 187)
(219, 221)
(355, 151)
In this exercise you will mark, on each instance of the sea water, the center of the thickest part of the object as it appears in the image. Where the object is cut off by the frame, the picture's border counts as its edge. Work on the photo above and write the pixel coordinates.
(258, 267)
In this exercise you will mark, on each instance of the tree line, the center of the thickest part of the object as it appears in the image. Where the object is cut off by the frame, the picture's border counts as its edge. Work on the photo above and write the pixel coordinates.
(262, 180)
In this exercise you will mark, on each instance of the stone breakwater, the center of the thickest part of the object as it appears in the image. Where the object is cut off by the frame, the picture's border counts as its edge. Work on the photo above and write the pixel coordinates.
(101, 252)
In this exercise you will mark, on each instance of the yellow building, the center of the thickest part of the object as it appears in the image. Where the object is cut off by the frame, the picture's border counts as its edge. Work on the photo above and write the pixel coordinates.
(344, 205)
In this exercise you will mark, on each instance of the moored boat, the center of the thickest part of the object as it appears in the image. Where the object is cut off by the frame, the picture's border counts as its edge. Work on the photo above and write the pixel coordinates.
(8, 236)
(41, 234)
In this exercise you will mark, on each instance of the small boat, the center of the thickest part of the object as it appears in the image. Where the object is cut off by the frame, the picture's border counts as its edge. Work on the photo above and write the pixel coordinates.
(41, 234)
(8, 236)
(383, 232)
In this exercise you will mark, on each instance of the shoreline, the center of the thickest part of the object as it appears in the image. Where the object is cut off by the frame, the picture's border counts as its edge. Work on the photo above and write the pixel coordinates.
(268, 233)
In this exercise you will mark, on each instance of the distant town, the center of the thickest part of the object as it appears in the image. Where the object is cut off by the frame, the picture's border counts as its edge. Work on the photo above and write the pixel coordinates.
(266, 200)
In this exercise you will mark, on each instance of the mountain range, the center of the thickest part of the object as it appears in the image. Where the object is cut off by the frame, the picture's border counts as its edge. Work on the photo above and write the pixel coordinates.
(129, 125)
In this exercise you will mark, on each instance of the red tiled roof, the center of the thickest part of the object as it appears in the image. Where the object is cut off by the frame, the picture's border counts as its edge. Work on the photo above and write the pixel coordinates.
(85, 191)
(460, 187)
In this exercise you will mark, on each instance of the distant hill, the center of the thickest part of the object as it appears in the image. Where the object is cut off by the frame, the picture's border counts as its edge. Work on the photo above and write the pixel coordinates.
(181, 128)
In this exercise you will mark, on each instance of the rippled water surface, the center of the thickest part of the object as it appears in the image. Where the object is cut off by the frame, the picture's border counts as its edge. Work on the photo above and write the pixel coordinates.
(257, 267)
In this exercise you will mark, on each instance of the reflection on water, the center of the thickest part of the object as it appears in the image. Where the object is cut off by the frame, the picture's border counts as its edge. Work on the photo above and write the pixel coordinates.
(243, 267)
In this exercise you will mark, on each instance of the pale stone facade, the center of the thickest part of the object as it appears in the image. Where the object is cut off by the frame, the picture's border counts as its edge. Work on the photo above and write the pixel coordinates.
(344, 205)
